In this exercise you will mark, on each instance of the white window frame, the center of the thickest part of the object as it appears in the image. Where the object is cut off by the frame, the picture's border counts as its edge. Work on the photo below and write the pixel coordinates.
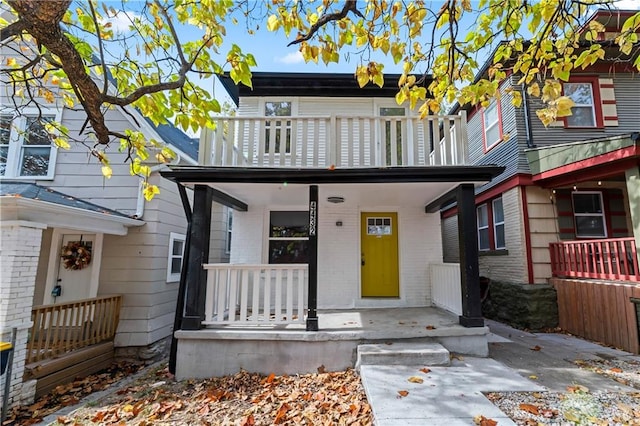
(496, 224)
(227, 243)
(270, 238)
(15, 147)
(592, 105)
(601, 214)
(487, 126)
(287, 126)
(173, 237)
(482, 227)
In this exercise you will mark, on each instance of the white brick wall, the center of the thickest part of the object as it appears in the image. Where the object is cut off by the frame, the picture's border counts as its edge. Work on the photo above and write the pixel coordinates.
(339, 252)
(19, 254)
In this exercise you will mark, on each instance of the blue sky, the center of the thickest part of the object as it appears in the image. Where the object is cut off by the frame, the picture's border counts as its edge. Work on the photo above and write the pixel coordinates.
(272, 53)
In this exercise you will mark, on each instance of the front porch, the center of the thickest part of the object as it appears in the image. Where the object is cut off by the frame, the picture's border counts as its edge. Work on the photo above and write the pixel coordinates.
(290, 349)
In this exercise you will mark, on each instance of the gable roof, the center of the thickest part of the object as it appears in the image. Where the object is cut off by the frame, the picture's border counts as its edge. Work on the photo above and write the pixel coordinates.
(312, 84)
(176, 137)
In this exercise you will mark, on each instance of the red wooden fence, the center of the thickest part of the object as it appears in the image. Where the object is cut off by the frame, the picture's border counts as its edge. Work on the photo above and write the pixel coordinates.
(606, 259)
(601, 311)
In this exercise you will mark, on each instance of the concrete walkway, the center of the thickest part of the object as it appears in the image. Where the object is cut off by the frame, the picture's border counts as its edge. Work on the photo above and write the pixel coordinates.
(453, 395)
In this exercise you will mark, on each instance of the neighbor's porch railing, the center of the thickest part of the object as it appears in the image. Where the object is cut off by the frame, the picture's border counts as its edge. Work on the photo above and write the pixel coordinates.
(61, 328)
(446, 290)
(607, 259)
(338, 140)
(255, 294)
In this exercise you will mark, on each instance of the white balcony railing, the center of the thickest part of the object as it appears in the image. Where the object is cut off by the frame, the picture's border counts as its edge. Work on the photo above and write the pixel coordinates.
(341, 141)
(255, 294)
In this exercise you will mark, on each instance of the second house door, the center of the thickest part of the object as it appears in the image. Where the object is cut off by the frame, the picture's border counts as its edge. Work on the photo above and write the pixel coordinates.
(379, 255)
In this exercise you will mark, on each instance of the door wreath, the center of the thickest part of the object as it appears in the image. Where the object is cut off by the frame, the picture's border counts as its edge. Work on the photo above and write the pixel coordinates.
(76, 255)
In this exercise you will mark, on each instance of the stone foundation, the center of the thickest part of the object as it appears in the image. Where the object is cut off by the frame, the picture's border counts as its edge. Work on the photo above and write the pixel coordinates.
(148, 354)
(525, 306)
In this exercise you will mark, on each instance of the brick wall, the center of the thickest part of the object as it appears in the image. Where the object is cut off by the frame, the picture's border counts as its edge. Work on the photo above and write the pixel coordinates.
(511, 267)
(20, 248)
(339, 252)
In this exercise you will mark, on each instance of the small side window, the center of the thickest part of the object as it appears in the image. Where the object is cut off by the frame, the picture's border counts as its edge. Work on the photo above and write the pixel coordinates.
(176, 256)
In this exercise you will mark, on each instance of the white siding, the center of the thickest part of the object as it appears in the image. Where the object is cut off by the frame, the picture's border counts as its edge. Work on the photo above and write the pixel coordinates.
(135, 265)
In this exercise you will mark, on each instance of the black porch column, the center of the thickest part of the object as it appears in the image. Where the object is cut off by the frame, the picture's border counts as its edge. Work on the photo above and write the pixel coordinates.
(469, 269)
(312, 314)
(196, 276)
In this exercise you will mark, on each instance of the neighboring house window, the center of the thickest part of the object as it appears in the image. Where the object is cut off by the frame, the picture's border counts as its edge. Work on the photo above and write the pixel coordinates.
(483, 227)
(289, 237)
(176, 256)
(26, 147)
(588, 214)
(229, 228)
(583, 113)
(492, 125)
(490, 217)
(498, 224)
(278, 132)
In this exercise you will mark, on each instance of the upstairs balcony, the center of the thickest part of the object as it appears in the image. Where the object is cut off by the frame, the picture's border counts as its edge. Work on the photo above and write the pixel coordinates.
(342, 141)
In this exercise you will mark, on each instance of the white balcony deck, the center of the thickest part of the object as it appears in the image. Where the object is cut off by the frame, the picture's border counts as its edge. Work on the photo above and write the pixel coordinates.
(336, 140)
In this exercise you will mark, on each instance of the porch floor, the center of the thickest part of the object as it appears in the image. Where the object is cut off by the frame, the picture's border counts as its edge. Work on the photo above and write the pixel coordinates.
(290, 349)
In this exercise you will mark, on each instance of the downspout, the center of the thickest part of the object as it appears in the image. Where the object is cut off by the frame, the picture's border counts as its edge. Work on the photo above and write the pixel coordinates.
(527, 119)
(141, 201)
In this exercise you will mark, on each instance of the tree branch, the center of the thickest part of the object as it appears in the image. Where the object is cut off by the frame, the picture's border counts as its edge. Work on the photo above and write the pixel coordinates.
(13, 29)
(349, 6)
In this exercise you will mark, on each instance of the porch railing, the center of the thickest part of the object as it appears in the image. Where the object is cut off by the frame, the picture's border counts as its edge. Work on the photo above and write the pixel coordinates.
(61, 328)
(607, 259)
(338, 140)
(446, 291)
(255, 294)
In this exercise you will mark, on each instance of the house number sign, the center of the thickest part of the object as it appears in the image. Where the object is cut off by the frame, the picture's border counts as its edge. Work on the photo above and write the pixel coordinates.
(312, 218)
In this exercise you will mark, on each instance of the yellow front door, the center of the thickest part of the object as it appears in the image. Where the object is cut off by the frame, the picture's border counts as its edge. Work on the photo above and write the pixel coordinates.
(379, 257)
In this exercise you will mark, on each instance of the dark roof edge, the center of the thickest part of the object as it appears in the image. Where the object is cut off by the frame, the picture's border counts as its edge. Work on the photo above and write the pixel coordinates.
(193, 174)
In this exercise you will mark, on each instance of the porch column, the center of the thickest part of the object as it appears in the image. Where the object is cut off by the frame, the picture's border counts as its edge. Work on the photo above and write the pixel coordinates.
(469, 269)
(196, 276)
(20, 243)
(633, 190)
(312, 303)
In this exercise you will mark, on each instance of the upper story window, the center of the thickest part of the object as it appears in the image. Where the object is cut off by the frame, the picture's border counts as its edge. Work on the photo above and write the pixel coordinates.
(277, 132)
(393, 134)
(176, 256)
(289, 237)
(588, 214)
(583, 113)
(229, 230)
(492, 124)
(26, 147)
(490, 217)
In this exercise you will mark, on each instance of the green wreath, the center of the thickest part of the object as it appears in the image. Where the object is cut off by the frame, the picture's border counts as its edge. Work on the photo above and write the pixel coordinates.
(76, 255)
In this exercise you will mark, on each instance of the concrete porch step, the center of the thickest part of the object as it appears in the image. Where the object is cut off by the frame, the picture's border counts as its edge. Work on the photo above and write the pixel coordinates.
(423, 353)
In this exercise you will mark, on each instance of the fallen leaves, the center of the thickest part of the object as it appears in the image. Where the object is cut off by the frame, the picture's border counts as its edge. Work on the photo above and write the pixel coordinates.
(71, 394)
(416, 379)
(484, 421)
(402, 393)
(536, 348)
(244, 399)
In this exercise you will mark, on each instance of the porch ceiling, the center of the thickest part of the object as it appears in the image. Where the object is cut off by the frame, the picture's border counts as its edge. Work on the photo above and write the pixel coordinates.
(368, 186)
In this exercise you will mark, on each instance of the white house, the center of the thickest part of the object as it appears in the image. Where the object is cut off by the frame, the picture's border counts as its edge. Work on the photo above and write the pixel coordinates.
(120, 294)
(336, 192)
